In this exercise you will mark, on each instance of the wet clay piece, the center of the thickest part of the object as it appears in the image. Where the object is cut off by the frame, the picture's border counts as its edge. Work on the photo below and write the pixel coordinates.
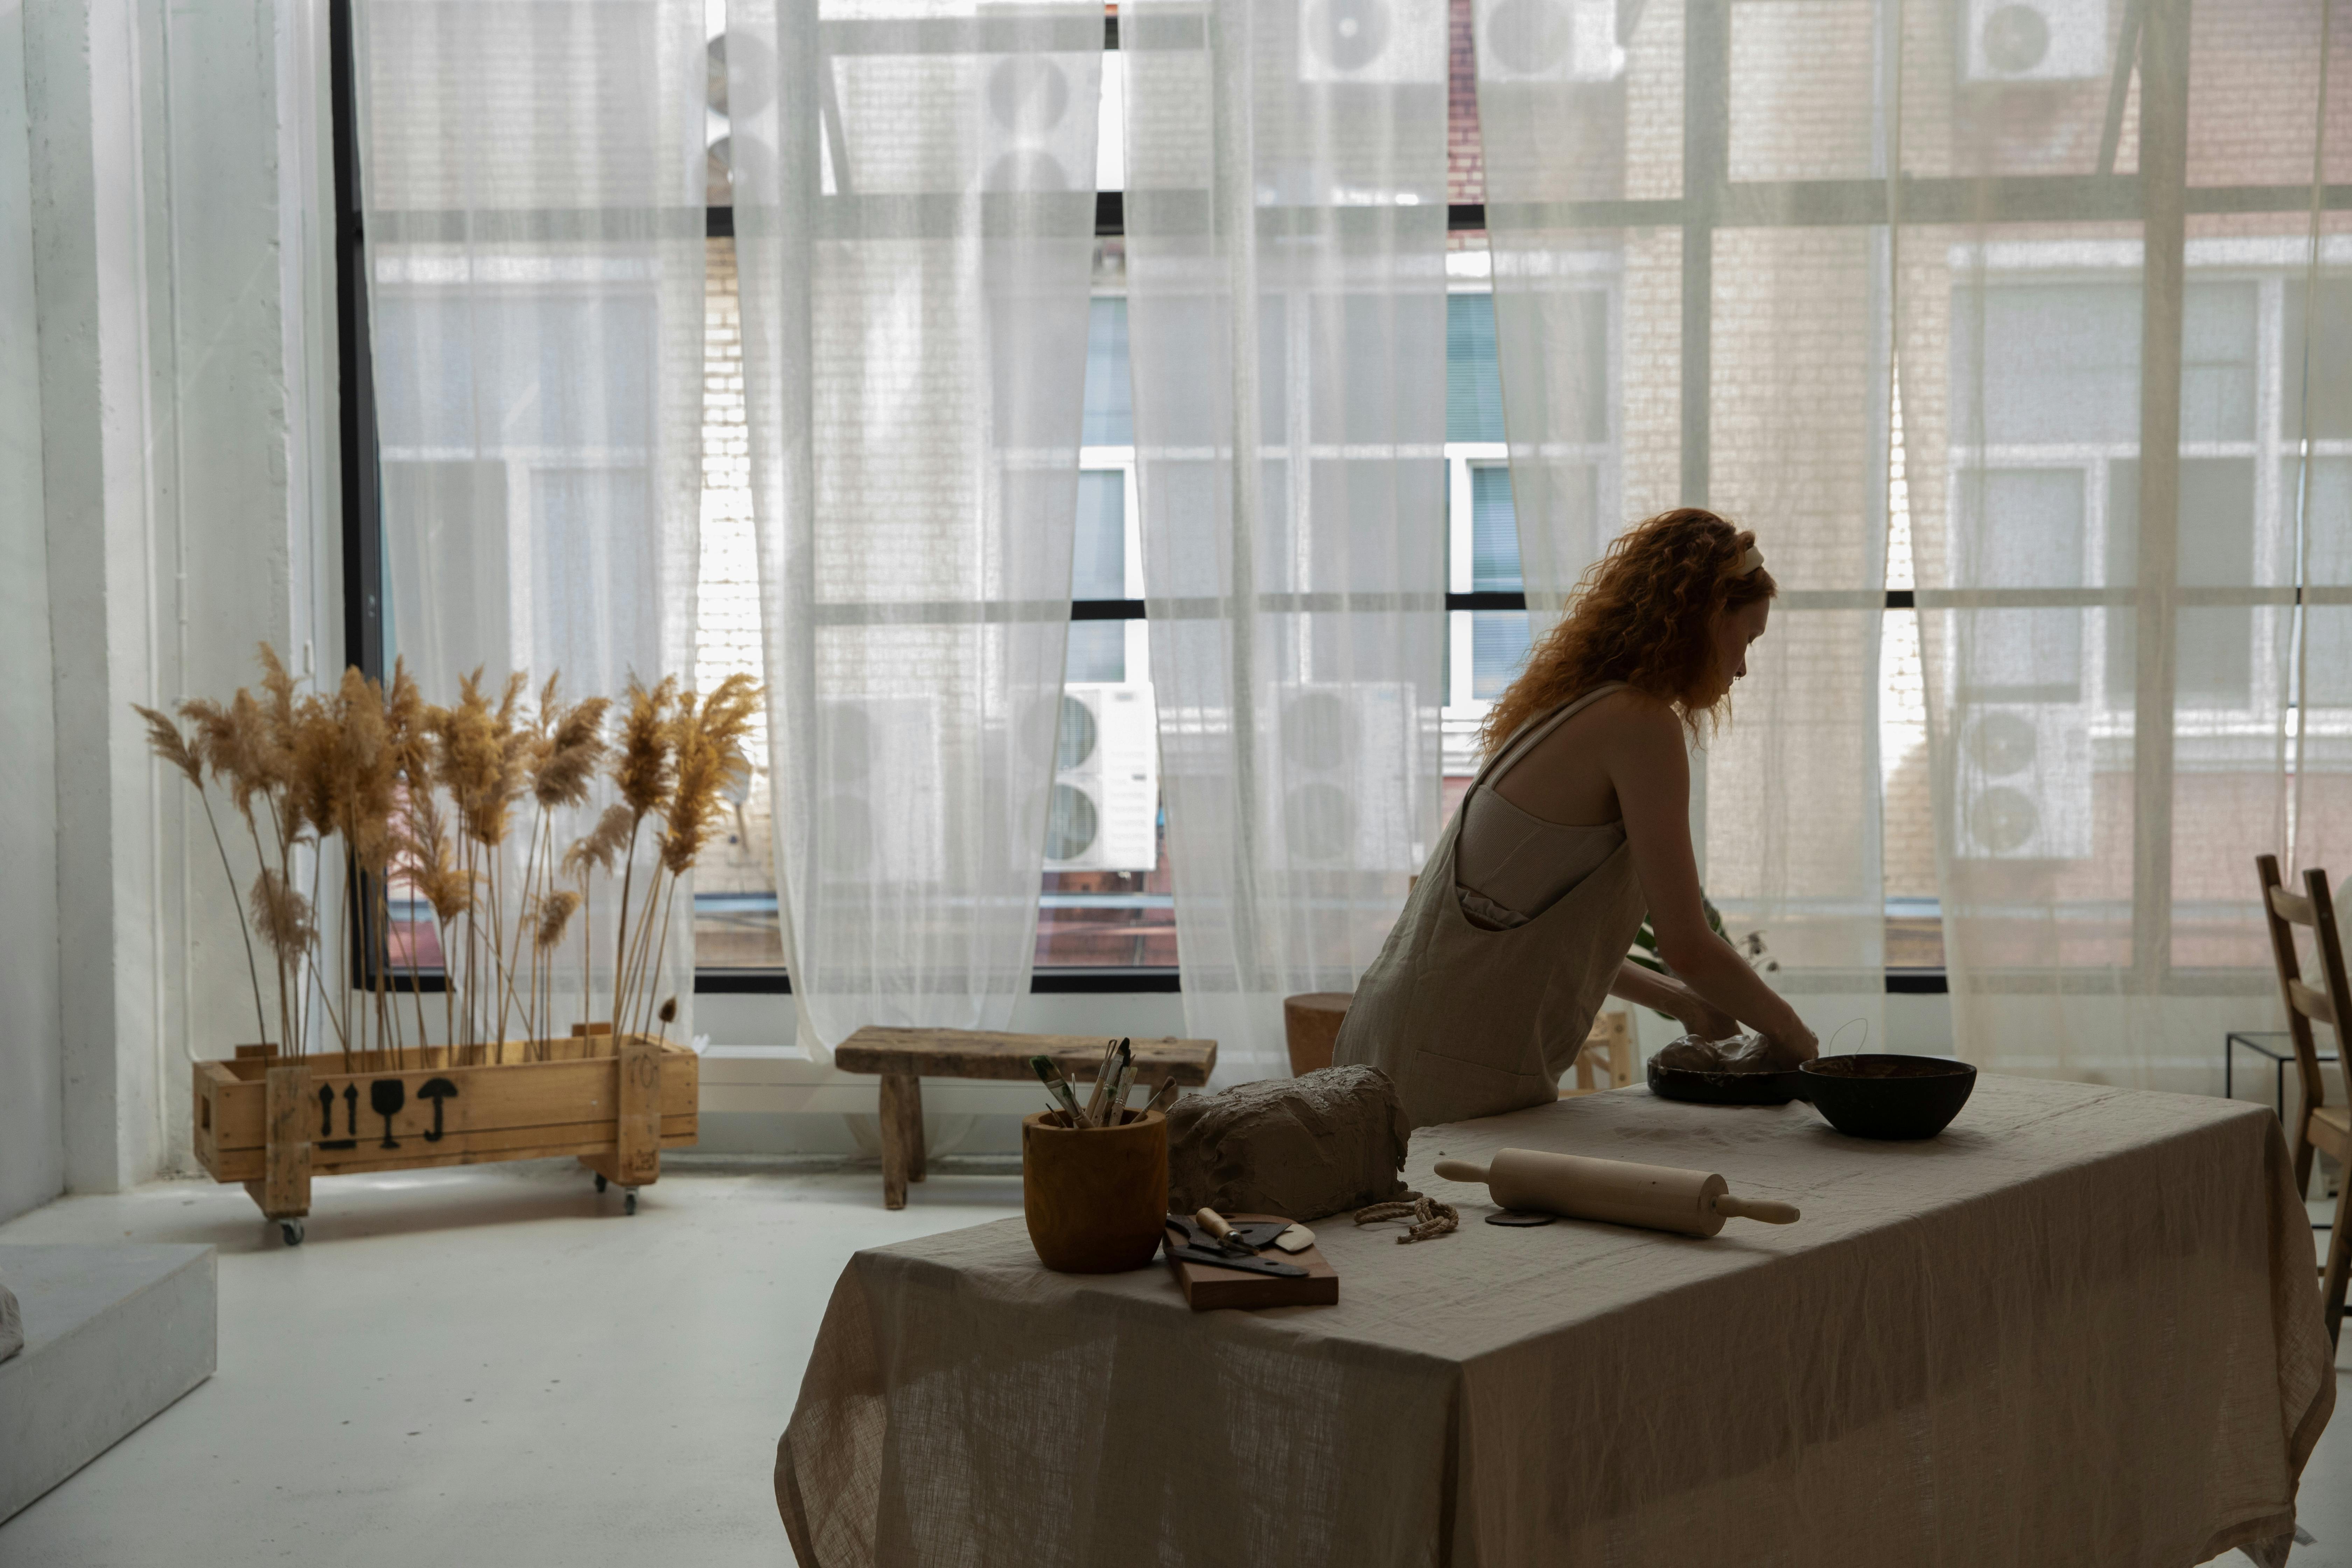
(1746, 1069)
(1306, 1147)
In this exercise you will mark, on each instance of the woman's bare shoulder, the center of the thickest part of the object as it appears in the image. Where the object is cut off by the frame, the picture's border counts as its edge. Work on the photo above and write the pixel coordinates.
(1635, 711)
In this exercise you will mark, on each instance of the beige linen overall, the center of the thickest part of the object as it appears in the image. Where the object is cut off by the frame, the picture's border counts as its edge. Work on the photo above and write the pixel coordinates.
(1469, 1022)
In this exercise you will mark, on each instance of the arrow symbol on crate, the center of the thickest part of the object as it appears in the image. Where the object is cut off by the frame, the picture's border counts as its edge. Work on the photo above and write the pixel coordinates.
(437, 1089)
(327, 1138)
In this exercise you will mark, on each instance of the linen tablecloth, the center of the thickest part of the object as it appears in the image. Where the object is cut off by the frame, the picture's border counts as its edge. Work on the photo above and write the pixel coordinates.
(2080, 1327)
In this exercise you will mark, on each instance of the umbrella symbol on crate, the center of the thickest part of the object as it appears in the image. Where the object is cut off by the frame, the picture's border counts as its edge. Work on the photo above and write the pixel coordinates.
(437, 1089)
(386, 1097)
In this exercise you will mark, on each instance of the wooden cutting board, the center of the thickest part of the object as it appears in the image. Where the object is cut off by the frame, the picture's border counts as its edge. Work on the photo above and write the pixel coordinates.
(1206, 1286)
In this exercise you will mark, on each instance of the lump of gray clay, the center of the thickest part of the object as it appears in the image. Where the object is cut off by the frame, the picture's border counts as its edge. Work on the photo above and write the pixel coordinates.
(1299, 1147)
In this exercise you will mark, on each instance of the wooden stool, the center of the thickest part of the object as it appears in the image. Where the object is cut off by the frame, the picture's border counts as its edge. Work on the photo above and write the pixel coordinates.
(906, 1057)
(1310, 1024)
(1607, 1060)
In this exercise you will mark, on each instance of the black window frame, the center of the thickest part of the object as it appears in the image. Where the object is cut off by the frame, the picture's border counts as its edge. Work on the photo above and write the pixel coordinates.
(2154, 44)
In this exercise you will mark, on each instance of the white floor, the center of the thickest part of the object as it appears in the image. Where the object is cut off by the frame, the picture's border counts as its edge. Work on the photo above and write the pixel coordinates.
(495, 1366)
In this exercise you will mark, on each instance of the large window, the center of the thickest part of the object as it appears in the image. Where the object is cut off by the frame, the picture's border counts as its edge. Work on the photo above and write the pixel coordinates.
(2043, 446)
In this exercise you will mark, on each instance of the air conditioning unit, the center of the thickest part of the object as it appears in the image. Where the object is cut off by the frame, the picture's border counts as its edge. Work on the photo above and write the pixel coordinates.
(1040, 122)
(1105, 810)
(1342, 767)
(2022, 782)
(1548, 41)
(2034, 40)
(1392, 42)
(881, 794)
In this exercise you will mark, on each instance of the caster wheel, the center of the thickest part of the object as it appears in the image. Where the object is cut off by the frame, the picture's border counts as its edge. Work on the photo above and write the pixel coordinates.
(629, 1203)
(600, 1184)
(291, 1230)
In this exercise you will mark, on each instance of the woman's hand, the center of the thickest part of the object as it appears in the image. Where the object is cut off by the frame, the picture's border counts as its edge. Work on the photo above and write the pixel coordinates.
(1792, 1045)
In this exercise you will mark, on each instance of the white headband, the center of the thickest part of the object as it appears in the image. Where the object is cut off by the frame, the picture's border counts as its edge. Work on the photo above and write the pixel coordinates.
(1751, 562)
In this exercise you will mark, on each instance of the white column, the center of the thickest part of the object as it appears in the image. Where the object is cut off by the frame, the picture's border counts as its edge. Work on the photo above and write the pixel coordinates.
(167, 437)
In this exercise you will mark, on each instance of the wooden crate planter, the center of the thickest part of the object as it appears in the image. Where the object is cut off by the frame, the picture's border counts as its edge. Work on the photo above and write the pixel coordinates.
(275, 1124)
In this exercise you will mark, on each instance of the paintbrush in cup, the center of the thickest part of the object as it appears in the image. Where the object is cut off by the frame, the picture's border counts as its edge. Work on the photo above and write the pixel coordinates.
(1102, 1085)
(1057, 1087)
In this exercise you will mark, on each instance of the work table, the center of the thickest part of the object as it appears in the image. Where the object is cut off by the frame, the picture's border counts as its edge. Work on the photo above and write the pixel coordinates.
(2078, 1327)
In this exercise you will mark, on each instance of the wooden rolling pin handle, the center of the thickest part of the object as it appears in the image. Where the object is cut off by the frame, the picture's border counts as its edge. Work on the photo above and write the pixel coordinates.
(1764, 1209)
(1461, 1171)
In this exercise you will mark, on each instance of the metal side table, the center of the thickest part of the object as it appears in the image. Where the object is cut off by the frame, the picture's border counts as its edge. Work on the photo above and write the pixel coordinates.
(2276, 1045)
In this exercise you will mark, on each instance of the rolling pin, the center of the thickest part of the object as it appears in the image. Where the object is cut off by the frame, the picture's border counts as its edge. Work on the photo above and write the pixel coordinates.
(1657, 1198)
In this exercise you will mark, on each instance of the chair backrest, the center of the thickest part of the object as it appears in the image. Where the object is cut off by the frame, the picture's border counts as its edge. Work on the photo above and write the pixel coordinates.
(2314, 908)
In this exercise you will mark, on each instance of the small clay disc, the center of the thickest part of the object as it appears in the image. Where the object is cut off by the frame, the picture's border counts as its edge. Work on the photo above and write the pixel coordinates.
(1519, 1217)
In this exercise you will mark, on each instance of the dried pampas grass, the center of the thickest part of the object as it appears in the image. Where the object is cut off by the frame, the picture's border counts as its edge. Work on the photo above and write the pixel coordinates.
(556, 913)
(282, 916)
(426, 798)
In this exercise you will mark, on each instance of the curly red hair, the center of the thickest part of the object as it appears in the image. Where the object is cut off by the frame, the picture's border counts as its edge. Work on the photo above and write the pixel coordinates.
(1641, 616)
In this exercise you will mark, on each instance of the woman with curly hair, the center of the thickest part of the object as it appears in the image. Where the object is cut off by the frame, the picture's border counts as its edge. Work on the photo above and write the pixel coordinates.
(1577, 826)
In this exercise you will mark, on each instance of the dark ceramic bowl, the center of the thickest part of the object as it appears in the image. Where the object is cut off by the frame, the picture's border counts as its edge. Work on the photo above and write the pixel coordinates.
(1725, 1088)
(1888, 1097)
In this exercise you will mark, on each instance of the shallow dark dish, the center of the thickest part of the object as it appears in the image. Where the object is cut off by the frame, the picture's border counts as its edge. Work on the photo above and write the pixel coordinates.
(1725, 1088)
(1886, 1096)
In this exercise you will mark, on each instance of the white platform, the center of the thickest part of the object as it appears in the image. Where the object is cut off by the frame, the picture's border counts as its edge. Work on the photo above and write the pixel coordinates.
(113, 1332)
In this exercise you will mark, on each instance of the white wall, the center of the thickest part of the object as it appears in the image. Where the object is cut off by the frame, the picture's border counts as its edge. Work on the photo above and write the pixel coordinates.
(180, 438)
(32, 1088)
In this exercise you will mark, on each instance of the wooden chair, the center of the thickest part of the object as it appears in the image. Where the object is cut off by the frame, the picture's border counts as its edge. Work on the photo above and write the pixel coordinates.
(2317, 1124)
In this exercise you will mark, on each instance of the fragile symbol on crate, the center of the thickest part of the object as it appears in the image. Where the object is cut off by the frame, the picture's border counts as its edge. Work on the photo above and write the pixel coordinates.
(386, 1097)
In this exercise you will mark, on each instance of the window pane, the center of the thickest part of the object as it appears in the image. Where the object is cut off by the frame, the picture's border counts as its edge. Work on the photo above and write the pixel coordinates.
(1493, 531)
(1097, 651)
(2026, 532)
(1498, 643)
(1473, 388)
(1106, 900)
(2326, 360)
(2061, 362)
(2326, 628)
(1111, 410)
(1098, 554)
(2214, 646)
(2217, 369)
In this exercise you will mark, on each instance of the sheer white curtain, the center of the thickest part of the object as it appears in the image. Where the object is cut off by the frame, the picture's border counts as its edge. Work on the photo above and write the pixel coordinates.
(914, 216)
(1286, 238)
(1693, 307)
(533, 179)
(2127, 417)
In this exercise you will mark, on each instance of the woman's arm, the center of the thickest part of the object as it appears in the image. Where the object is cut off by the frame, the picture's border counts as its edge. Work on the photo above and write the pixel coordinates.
(1651, 772)
(1672, 998)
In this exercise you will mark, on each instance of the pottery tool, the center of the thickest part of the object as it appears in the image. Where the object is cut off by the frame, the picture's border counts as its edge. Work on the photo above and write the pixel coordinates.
(1057, 1087)
(1657, 1198)
(1222, 1231)
(1162, 1098)
(1211, 1279)
(1294, 1238)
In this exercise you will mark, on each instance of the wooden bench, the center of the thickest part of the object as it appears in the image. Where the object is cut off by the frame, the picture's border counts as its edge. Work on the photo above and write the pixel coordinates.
(906, 1057)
